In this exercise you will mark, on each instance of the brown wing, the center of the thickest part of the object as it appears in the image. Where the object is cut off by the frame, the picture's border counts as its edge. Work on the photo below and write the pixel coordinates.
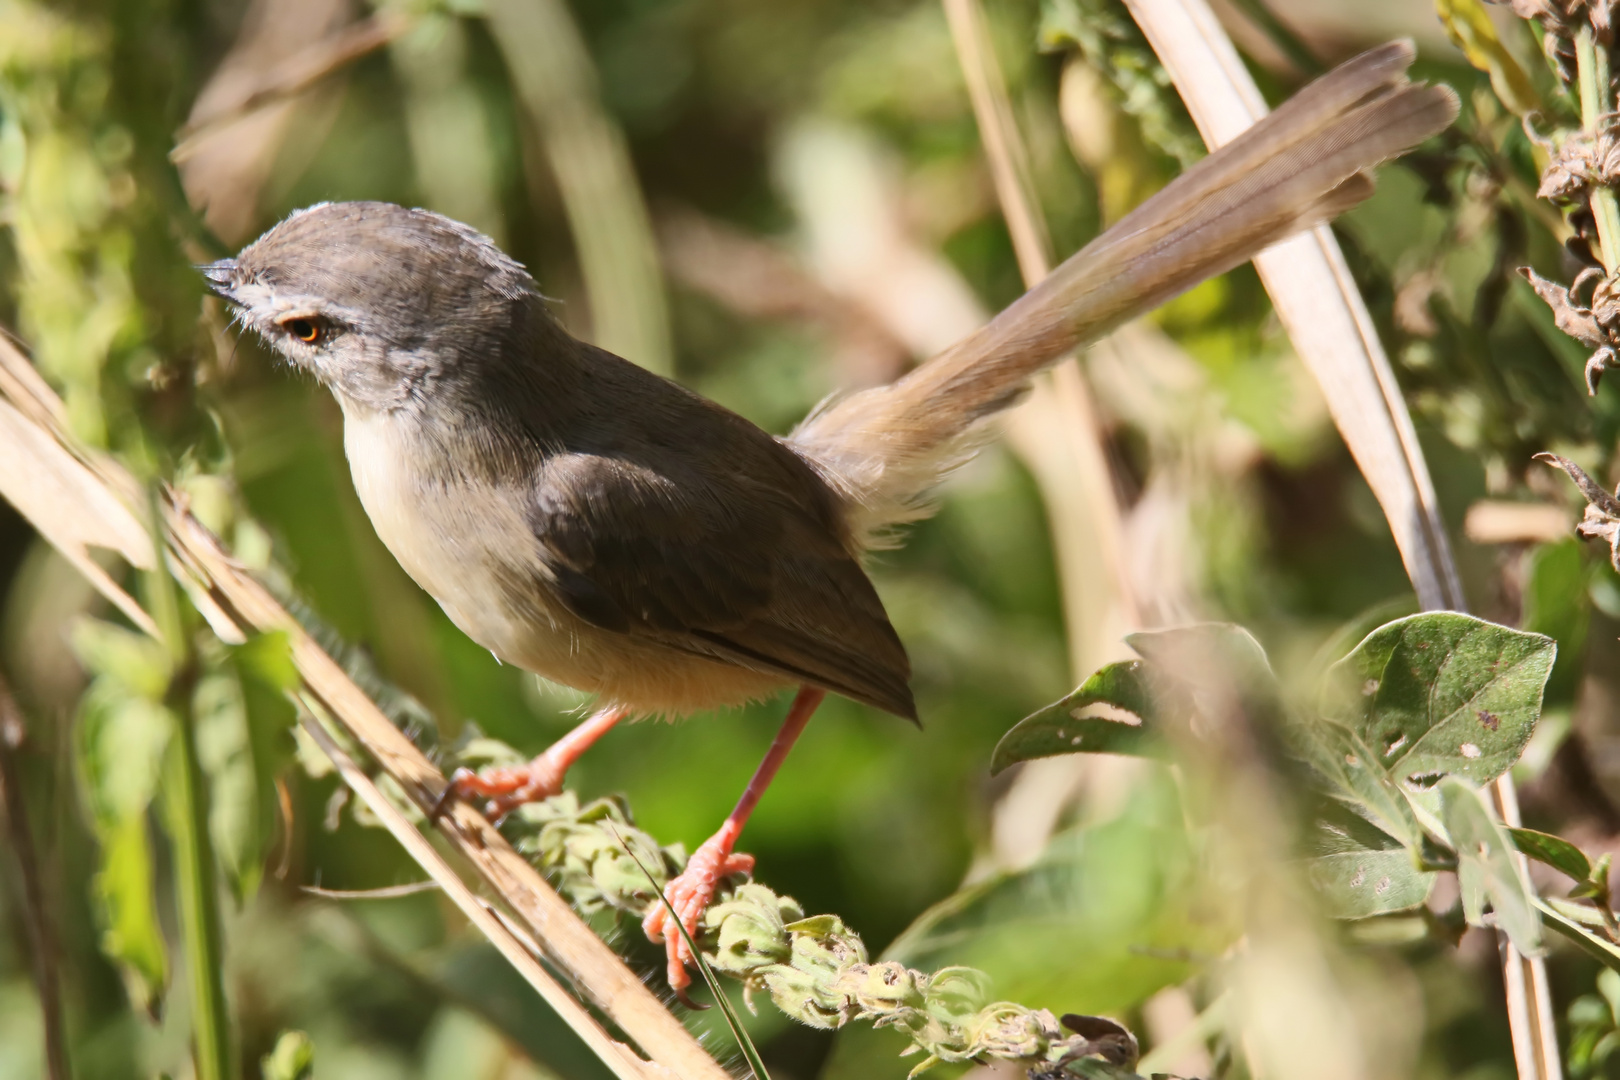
(730, 550)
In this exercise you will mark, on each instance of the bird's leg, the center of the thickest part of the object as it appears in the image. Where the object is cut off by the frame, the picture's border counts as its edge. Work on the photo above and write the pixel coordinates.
(690, 893)
(541, 778)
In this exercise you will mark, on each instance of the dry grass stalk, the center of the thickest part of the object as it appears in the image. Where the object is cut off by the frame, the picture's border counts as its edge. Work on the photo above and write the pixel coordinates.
(1064, 391)
(620, 1058)
(236, 606)
(1326, 319)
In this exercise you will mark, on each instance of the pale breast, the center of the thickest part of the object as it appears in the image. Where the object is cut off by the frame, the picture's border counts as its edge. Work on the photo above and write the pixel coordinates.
(468, 545)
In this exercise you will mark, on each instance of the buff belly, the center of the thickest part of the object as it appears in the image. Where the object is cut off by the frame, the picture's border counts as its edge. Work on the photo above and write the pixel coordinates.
(459, 540)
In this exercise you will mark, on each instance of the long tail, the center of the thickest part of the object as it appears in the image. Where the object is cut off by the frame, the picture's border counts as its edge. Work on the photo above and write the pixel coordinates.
(887, 447)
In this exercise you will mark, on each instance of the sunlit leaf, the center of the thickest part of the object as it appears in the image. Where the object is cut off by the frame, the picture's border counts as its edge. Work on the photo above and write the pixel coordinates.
(1442, 694)
(135, 661)
(1469, 26)
(121, 740)
(1354, 773)
(1062, 727)
(244, 743)
(1362, 871)
(225, 753)
(293, 1058)
(267, 657)
(1485, 867)
(131, 933)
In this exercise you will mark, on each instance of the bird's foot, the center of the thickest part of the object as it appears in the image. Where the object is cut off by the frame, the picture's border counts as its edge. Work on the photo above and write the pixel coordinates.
(689, 895)
(509, 788)
(505, 788)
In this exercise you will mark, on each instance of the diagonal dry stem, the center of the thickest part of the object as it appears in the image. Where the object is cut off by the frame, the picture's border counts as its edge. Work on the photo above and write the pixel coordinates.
(620, 1058)
(236, 606)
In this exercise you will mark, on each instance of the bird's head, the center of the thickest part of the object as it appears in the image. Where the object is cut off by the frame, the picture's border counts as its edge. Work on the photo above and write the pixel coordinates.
(378, 302)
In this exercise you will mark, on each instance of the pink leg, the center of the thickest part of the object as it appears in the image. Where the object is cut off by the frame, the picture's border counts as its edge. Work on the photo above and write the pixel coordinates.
(690, 893)
(539, 779)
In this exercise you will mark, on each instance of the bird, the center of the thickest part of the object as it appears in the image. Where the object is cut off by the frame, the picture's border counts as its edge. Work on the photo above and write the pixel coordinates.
(606, 528)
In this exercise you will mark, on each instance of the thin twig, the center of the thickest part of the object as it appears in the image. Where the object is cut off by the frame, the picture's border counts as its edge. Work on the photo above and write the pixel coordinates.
(1327, 320)
(392, 892)
(294, 75)
(36, 915)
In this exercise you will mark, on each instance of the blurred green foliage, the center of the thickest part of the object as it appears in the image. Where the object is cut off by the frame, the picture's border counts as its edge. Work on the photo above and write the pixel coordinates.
(871, 820)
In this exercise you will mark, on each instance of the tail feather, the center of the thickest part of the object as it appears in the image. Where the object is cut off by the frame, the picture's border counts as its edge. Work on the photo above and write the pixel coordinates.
(887, 447)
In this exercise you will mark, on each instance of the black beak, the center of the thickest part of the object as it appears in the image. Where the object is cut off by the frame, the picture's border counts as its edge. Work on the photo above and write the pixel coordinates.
(221, 276)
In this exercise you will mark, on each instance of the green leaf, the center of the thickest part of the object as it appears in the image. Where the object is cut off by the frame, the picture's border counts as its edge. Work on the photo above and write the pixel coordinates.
(1559, 917)
(268, 658)
(1361, 871)
(1061, 729)
(1184, 671)
(134, 661)
(1485, 867)
(1473, 32)
(1109, 914)
(225, 753)
(292, 1059)
(121, 740)
(131, 934)
(120, 743)
(1555, 851)
(1596, 885)
(1442, 694)
(1354, 774)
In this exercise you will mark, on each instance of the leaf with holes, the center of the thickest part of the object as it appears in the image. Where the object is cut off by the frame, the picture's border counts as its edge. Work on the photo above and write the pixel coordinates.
(1442, 694)
(1353, 774)
(1360, 870)
(1486, 869)
(1061, 728)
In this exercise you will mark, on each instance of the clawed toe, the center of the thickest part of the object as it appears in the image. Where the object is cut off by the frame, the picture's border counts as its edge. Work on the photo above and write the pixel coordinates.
(506, 789)
(687, 897)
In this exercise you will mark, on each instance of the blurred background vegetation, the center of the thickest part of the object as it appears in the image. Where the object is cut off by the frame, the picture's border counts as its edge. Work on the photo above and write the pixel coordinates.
(768, 201)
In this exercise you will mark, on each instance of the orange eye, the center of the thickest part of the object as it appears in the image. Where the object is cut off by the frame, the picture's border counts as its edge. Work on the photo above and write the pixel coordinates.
(305, 330)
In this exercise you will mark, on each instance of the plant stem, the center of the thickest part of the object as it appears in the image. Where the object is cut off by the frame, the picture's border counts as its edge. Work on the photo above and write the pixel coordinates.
(195, 887)
(1597, 103)
(36, 916)
(186, 803)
